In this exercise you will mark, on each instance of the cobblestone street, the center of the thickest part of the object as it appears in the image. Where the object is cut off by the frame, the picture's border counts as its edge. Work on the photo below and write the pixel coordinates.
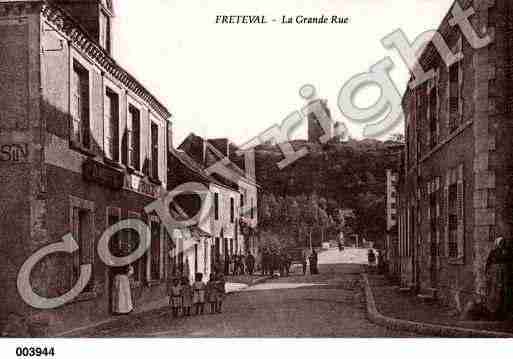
(327, 305)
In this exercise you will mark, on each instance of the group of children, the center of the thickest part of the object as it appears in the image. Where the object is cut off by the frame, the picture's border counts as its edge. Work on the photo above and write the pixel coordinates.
(183, 295)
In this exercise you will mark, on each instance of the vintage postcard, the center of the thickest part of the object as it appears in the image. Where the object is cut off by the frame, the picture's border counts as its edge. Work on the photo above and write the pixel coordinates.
(243, 169)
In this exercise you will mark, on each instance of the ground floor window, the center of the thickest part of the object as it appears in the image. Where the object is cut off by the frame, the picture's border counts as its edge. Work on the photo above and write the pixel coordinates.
(82, 224)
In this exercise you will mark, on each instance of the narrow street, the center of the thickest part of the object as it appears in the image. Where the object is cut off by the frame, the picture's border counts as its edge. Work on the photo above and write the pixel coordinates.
(327, 305)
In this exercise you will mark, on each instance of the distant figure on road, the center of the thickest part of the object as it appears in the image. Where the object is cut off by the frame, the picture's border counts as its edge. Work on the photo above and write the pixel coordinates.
(371, 257)
(341, 242)
(250, 263)
(303, 262)
(313, 263)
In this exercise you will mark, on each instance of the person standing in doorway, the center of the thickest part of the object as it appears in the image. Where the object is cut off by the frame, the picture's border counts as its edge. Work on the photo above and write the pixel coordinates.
(122, 294)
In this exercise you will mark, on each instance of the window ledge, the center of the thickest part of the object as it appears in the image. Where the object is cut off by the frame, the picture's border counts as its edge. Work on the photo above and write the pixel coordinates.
(84, 150)
(456, 261)
(84, 297)
(112, 163)
(155, 181)
(448, 139)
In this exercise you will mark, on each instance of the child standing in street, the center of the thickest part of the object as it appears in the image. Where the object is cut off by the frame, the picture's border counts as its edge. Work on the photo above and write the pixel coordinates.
(175, 297)
(186, 297)
(212, 293)
(198, 296)
(221, 290)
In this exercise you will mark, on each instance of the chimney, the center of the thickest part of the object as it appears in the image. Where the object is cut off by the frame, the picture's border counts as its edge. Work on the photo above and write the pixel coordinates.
(95, 16)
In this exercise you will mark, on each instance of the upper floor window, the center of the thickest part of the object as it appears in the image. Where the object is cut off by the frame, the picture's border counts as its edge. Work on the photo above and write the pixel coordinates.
(455, 95)
(232, 210)
(111, 115)
(80, 128)
(216, 206)
(105, 31)
(134, 137)
(154, 150)
(82, 226)
(433, 133)
(155, 273)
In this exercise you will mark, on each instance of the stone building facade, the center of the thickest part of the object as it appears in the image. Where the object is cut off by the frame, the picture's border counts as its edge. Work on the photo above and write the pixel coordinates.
(84, 145)
(391, 236)
(455, 188)
(234, 223)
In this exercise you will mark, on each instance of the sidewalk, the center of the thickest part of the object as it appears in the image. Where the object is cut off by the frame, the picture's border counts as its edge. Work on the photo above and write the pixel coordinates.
(156, 309)
(387, 306)
(241, 282)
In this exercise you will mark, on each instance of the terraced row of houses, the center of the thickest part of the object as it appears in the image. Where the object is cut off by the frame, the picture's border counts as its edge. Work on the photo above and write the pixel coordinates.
(85, 145)
(454, 186)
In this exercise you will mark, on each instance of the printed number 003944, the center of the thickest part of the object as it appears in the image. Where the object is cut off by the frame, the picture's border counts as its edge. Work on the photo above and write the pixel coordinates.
(35, 352)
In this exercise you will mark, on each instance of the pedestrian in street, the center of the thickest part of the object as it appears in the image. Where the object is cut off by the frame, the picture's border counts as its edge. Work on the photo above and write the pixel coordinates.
(232, 265)
(221, 292)
(250, 263)
(283, 265)
(495, 271)
(186, 297)
(226, 264)
(288, 263)
(212, 293)
(303, 262)
(371, 257)
(242, 270)
(198, 295)
(313, 263)
(175, 297)
(122, 295)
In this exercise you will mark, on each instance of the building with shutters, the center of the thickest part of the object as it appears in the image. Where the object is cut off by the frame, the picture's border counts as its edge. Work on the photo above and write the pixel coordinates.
(234, 221)
(391, 211)
(83, 146)
(455, 196)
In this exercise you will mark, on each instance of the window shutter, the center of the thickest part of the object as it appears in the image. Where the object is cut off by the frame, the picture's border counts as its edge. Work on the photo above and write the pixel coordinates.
(460, 84)
(428, 115)
(107, 111)
(162, 243)
(461, 214)
(446, 212)
(75, 220)
(437, 109)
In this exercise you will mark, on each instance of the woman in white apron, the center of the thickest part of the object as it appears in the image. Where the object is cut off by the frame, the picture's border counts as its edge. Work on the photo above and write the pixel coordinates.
(122, 294)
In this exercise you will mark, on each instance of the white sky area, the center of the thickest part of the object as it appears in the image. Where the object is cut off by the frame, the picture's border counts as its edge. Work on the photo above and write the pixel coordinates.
(236, 81)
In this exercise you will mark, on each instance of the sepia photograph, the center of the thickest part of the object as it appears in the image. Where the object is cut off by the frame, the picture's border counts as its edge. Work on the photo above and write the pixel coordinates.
(237, 170)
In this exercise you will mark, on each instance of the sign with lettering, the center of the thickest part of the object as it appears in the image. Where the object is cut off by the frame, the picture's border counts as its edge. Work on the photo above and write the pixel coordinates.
(138, 184)
(14, 152)
(102, 174)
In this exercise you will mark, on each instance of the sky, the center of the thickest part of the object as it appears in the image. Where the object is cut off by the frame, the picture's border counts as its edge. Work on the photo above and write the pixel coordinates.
(236, 81)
